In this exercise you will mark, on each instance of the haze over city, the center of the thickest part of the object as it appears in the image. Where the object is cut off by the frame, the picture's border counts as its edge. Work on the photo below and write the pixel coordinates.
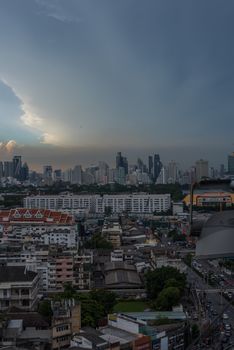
(80, 80)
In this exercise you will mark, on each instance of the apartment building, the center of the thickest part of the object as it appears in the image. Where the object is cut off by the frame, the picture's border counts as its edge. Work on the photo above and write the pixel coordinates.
(38, 226)
(139, 203)
(112, 232)
(82, 271)
(54, 268)
(66, 320)
(64, 271)
(18, 288)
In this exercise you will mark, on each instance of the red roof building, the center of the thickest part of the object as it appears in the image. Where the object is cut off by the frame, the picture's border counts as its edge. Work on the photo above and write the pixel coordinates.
(35, 216)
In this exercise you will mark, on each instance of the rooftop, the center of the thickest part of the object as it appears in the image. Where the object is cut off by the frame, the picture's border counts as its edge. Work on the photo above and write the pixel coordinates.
(155, 315)
(40, 216)
(16, 274)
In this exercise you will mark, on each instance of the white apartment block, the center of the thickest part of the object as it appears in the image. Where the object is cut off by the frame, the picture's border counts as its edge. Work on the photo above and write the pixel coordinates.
(138, 203)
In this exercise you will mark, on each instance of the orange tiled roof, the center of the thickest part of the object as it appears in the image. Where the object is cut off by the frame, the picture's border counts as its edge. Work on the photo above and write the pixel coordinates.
(39, 216)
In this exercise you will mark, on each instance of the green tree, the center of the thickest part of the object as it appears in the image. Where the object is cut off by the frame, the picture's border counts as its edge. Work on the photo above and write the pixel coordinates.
(172, 282)
(188, 259)
(68, 291)
(91, 310)
(104, 297)
(156, 280)
(167, 298)
(98, 242)
(44, 309)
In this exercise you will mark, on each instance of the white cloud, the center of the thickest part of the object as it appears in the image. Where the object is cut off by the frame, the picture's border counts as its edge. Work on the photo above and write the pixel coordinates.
(50, 139)
(8, 146)
(32, 120)
(57, 12)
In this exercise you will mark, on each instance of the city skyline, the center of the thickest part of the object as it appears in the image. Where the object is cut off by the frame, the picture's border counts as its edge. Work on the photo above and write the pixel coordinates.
(80, 80)
(144, 158)
(145, 172)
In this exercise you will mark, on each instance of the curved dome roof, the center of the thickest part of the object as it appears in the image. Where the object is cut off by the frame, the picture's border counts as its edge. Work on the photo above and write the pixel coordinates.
(217, 236)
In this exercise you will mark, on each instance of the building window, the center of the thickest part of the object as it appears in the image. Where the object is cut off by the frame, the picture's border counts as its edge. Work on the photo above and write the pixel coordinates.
(25, 302)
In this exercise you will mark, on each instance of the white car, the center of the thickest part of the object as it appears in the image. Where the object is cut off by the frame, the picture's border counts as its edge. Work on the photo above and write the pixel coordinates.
(227, 326)
(225, 317)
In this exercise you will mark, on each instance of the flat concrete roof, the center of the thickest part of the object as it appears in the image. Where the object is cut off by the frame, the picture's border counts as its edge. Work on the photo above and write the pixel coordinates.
(154, 315)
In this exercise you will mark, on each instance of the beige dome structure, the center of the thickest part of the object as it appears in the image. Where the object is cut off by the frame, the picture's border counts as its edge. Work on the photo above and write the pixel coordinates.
(217, 236)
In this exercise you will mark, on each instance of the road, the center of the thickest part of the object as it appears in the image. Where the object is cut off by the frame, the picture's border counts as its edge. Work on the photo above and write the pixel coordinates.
(217, 303)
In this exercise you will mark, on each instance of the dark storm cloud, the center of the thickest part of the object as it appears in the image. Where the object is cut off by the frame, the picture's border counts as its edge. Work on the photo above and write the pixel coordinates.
(128, 74)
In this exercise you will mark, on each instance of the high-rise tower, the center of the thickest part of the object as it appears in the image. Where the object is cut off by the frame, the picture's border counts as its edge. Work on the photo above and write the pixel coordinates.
(202, 169)
(231, 164)
(157, 166)
(17, 165)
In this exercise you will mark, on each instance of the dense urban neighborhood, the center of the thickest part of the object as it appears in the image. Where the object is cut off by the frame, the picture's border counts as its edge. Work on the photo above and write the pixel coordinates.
(110, 269)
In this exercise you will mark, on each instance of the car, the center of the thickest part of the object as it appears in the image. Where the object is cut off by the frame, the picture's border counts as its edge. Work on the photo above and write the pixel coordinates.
(214, 313)
(228, 333)
(225, 317)
(227, 326)
(224, 339)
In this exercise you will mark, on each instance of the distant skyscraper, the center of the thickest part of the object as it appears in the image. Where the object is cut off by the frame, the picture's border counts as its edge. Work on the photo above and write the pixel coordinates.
(140, 164)
(1, 170)
(212, 172)
(125, 165)
(222, 171)
(67, 175)
(120, 177)
(163, 176)
(77, 175)
(88, 178)
(103, 172)
(121, 162)
(157, 166)
(192, 175)
(24, 172)
(8, 169)
(47, 174)
(57, 175)
(231, 164)
(150, 165)
(17, 164)
(172, 172)
(186, 178)
(202, 169)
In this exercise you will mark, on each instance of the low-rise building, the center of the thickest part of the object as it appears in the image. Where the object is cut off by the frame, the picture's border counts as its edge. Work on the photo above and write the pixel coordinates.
(169, 336)
(18, 288)
(112, 232)
(163, 260)
(119, 275)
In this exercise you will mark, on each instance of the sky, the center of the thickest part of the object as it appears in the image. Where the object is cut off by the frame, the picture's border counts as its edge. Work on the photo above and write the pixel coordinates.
(83, 79)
